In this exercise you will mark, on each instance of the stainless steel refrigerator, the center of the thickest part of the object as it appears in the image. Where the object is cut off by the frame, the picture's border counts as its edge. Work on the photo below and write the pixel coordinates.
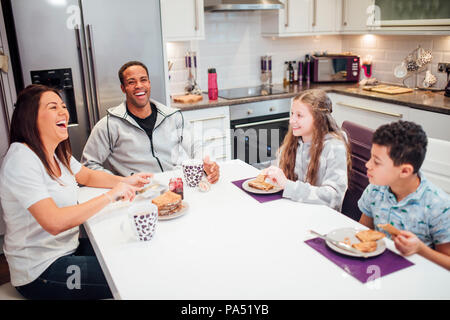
(79, 46)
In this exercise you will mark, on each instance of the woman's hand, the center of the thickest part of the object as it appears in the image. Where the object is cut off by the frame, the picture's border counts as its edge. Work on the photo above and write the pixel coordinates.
(212, 170)
(276, 175)
(122, 191)
(138, 179)
(408, 243)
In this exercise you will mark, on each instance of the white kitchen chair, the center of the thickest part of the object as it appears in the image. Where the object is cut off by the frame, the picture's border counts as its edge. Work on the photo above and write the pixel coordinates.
(8, 292)
(436, 166)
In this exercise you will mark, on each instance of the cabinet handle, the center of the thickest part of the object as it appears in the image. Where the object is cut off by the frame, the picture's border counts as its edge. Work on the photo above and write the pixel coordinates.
(222, 156)
(206, 119)
(215, 138)
(344, 23)
(196, 15)
(314, 12)
(286, 24)
(397, 115)
(259, 123)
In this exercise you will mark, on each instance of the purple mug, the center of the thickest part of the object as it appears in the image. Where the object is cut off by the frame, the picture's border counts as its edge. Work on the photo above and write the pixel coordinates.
(192, 172)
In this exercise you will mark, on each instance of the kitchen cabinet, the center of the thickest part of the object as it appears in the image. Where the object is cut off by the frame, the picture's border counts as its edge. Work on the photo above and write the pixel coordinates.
(211, 126)
(355, 15)
(183, 20)
(372, 114)
(300, 17)
(435, 124)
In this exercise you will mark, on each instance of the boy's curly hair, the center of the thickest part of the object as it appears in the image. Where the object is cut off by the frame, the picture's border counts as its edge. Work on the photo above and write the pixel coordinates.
(406, 140)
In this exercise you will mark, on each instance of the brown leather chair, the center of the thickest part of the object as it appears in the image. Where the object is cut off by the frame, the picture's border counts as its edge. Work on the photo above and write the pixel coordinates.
(360, 139)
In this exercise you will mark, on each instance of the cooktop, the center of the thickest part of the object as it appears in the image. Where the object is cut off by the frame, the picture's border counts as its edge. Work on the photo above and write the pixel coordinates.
(236, 93)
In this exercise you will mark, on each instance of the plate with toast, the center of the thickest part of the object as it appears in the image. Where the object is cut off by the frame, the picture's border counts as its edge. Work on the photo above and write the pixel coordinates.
(260, 186)
(368, 243)
(170, 205)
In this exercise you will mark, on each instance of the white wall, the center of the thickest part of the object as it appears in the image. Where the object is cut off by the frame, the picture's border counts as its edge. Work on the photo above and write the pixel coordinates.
(233, 45)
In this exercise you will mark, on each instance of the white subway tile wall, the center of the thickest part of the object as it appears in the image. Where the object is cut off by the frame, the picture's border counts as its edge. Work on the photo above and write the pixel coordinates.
(233, 45)
(388, 51)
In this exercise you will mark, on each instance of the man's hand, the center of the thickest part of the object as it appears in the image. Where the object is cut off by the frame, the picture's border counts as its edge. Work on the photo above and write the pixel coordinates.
(212, 170)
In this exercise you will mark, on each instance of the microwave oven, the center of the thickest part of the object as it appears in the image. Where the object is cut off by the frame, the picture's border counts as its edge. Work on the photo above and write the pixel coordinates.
(335, 68)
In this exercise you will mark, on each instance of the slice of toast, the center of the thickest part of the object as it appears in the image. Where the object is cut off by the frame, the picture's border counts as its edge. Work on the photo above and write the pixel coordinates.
(369, 235)
(260, 184)
(368, 246)
(389, 228)
(167, 199)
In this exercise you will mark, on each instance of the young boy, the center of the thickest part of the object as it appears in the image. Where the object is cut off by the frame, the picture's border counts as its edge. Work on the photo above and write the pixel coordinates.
(400, 195)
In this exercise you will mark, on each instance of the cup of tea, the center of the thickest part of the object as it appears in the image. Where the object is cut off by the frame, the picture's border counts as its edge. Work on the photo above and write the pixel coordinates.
(142, 219)
(192, 171)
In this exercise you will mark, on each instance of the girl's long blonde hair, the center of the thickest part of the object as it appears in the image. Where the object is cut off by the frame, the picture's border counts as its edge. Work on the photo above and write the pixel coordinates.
(320, 107)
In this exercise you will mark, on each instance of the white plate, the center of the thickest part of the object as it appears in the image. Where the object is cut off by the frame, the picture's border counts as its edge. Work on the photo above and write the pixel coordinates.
(341, 234)
(176, 214)
(246, 187)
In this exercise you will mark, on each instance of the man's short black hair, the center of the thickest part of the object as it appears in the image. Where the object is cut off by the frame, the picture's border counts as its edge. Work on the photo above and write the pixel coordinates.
(130, 64)
(406, 140)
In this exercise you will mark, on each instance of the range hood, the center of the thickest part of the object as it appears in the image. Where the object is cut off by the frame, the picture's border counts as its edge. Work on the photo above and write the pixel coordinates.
(242, 5)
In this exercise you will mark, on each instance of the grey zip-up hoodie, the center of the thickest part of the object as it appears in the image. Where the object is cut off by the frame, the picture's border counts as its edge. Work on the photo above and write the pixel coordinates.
(332, 175)
(119, 145)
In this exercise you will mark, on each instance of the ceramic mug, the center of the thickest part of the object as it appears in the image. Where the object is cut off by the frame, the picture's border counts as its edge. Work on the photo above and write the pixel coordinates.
(192, 171)
(142, 220)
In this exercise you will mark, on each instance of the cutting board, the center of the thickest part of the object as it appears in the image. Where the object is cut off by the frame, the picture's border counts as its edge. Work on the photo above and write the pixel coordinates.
(388, 89)
(188, 98)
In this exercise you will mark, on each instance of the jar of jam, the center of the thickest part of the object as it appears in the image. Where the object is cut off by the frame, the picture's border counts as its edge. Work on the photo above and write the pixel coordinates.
(176, 185)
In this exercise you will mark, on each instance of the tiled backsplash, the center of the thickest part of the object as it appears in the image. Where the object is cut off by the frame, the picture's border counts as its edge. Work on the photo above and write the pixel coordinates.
(389, 51)
(233, 45)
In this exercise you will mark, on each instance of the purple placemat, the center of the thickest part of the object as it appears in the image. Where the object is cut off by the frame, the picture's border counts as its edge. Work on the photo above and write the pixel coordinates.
(363, 269)
(259, 197)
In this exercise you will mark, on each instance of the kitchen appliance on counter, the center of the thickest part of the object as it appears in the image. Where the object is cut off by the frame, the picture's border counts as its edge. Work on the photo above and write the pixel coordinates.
(78, 47)
(258, 130)
(237, 93)
(335, 68)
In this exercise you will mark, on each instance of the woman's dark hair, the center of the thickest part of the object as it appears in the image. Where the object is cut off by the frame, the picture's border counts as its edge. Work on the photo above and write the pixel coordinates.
(24, 127)
(127, 65)
(406, 141)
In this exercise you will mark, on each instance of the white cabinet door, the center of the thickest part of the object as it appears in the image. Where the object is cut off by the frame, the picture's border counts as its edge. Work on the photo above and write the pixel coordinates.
(368, 113)
(294, 19)
(356, 15)
(300, 17)
(324, 15)
(182, 20)
(211, 126)
(434, 124)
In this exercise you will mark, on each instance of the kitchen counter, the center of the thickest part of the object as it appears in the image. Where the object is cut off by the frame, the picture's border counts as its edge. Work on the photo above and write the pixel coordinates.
(419, 99)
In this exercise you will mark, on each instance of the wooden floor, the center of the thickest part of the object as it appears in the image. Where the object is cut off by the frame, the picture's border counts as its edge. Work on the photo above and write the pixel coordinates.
(4, 270)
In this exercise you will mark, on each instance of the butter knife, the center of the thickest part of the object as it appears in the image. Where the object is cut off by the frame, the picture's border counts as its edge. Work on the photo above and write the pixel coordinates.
(340, 244)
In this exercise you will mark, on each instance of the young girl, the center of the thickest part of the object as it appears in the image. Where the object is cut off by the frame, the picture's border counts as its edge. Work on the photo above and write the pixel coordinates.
(314, 159)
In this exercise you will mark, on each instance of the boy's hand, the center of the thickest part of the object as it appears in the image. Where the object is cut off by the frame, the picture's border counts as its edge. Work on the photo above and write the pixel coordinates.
(408, 243)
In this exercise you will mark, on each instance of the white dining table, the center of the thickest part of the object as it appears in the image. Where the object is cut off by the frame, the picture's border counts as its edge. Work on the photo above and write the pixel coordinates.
(227, 246)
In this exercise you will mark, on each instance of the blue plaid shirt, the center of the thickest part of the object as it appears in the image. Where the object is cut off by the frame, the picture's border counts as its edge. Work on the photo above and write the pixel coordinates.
(424, 212)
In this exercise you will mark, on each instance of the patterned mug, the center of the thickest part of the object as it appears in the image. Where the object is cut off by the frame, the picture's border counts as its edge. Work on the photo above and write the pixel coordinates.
(192, 171)
(143, 216)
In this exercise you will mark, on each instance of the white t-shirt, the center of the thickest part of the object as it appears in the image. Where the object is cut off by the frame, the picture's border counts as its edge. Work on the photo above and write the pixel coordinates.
(24, 181)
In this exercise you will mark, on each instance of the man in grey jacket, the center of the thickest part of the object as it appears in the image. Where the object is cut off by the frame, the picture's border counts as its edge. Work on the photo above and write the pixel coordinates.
(140, 134)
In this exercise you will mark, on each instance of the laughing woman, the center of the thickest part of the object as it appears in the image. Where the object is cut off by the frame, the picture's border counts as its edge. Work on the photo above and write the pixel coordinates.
(38, 191)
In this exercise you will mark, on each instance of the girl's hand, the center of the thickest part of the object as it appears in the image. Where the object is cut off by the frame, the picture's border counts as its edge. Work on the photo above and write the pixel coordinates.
(276, 175)
(122, 191)
(407, 243)
(138, 179)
